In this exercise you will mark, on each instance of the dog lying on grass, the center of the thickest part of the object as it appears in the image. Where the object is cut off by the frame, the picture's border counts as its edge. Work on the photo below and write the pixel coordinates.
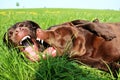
(91, 43)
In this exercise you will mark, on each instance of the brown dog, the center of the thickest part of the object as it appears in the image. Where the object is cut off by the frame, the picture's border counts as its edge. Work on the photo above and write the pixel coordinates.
(23, 36)
(82, 40)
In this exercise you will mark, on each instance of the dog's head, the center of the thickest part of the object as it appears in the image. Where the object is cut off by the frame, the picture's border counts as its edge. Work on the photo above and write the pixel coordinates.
(22, 35)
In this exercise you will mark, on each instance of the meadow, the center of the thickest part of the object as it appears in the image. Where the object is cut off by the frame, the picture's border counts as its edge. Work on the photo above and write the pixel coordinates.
(13, 64)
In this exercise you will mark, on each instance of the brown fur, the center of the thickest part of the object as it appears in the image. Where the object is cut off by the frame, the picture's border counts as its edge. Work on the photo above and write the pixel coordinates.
(90, 42)
(15, 33)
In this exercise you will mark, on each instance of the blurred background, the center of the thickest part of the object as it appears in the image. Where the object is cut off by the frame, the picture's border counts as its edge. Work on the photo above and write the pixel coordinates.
(83, 4)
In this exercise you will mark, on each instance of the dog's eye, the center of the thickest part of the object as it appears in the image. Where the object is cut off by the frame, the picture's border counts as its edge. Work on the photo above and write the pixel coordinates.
(10, 33)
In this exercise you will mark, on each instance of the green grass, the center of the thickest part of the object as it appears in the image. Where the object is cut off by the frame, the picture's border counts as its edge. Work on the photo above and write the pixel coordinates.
(14, 66)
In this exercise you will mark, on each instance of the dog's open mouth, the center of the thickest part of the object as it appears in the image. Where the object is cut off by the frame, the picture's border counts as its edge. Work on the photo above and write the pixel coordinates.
(30, 48)
(26, 41)
(48, 49)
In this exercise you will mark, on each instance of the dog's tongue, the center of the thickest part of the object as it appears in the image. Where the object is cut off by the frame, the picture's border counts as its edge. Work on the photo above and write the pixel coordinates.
(31, 53)
(49, 51)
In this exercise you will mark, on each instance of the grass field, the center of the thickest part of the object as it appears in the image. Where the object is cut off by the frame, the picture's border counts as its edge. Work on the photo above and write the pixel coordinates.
(13, 67)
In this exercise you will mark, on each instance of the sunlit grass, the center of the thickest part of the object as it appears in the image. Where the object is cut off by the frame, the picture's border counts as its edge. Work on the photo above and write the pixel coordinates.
(15, 67)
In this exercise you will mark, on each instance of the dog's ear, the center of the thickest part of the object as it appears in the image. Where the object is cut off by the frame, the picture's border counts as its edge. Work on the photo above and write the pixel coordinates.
(6, 41)
(33, 27)
(34, 24)
(99, 29)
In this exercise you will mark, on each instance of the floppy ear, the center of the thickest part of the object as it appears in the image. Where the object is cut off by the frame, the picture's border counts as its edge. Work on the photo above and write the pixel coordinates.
(34, 24)
(98, 29)
(6, 41)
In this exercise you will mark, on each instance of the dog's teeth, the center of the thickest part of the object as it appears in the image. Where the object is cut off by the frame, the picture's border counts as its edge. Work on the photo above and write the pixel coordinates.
(25, 38)
(20, 42)
(42, 41)
(38, 39)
